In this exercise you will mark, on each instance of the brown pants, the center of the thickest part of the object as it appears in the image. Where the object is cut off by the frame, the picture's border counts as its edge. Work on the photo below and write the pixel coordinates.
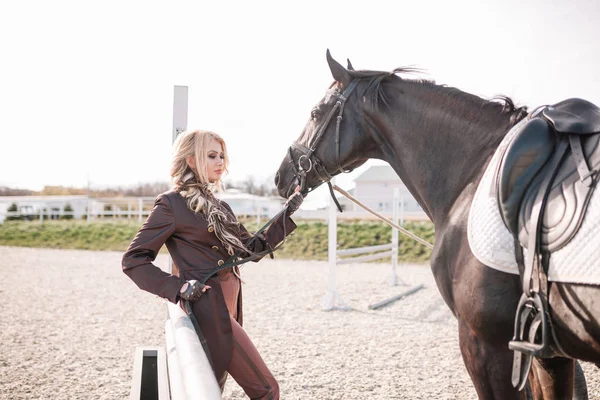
(247, 367)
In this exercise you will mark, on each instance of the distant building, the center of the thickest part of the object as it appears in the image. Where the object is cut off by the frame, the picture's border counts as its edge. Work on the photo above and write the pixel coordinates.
(375, 188)
(52, 207)
(250, 204)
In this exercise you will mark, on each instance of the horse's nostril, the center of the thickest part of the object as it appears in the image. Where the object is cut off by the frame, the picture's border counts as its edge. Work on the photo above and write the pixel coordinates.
(277, 179)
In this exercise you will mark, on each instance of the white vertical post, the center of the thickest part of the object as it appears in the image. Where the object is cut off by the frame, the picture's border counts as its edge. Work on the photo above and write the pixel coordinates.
(128, 210)
(180, 110)
(196, 375)
(180, 121)
(402, 211)
(140, 209)
(329, 301)
(89, 212)
(395, 206)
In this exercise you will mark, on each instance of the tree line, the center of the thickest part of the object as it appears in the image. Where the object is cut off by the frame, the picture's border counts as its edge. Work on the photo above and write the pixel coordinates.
(248, 185)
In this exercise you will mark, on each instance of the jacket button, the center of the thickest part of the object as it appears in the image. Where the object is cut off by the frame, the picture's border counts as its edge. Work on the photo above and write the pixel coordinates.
(215, 248)
(220, 262)
(211, 229)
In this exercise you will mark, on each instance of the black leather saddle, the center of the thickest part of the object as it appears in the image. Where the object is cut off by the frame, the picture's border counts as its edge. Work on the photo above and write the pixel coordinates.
(544, 184)
(561, 140)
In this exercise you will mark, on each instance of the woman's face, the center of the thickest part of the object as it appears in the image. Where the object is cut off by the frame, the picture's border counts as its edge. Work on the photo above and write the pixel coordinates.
(215, 161)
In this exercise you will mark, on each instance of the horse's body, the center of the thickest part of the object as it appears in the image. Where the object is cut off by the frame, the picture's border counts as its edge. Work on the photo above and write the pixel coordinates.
(439, 141)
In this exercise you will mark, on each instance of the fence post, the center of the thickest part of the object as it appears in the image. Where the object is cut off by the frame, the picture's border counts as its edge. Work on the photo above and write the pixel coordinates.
(329, 301)
(402, 211)
(141, 209)
(88, 210)
(395, 200)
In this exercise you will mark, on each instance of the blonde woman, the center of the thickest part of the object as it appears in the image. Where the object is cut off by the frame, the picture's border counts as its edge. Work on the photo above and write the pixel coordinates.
(201, 233)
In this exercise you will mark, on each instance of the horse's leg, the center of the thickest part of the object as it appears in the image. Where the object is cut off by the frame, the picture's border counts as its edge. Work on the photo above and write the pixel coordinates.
(490, 366)
(552, 378)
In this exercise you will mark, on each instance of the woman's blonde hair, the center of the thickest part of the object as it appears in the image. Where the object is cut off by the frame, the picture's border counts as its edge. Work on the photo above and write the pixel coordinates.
(195, 188)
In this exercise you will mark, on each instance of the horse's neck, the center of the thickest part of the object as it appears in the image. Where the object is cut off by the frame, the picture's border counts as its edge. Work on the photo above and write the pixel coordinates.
(440, 147)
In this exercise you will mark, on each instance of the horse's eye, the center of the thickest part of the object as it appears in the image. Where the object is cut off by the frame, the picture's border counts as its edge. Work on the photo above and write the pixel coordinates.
(314, 114)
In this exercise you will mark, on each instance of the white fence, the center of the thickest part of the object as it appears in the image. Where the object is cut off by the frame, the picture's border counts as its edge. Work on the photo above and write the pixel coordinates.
(39, 208)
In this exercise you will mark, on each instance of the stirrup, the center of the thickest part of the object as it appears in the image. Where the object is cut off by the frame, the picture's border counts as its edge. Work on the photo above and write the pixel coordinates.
(531, 316)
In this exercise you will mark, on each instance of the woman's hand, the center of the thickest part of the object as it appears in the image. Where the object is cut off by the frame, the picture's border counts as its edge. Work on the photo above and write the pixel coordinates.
(294, 201)
(192, 290)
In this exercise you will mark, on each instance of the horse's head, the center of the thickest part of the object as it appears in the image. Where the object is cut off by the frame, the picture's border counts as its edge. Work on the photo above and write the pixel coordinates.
(329, 143)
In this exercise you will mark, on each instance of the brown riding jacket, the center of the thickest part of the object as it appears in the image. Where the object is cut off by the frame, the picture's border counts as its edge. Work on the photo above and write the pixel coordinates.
(196, 251)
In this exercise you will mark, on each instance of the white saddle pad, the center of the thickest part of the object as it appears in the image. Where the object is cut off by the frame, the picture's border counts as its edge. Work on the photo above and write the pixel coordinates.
(493, 245)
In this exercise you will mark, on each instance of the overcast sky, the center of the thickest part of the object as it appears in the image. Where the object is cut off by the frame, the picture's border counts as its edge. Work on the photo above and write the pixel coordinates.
(86, 88)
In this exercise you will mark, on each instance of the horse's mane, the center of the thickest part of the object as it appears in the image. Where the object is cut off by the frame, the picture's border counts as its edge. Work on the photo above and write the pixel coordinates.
(376, 95)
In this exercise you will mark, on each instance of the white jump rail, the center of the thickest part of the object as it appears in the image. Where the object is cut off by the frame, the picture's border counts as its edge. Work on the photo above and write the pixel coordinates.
(190, 374)
(379, 250)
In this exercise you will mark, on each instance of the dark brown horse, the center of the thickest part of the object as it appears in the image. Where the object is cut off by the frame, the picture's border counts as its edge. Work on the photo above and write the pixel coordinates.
(439, 140)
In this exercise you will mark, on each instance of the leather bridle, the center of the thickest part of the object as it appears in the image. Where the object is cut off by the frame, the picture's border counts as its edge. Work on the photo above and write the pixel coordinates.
(308, 156)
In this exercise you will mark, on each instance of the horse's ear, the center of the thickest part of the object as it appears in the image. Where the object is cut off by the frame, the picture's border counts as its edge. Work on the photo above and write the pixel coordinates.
(350, 67)
(339, 73)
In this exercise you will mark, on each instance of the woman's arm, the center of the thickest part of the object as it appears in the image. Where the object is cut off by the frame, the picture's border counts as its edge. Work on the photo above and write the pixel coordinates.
(137, 261)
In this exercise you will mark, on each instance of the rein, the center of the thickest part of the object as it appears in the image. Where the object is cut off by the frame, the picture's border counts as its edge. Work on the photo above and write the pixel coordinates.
(235, 260)
(384, 219)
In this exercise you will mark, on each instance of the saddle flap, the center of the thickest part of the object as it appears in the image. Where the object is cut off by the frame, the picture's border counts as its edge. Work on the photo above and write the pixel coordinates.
(523, 159)
(576, 116)
(567, 203)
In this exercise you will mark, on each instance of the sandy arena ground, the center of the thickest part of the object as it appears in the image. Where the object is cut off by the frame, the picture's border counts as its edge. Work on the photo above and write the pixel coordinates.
(72, 320)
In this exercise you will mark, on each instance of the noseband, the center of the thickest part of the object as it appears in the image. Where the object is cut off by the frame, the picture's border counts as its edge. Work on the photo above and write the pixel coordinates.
(308, 160)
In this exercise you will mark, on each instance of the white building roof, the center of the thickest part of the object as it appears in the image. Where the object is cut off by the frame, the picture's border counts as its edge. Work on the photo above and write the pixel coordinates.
(378, 173)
